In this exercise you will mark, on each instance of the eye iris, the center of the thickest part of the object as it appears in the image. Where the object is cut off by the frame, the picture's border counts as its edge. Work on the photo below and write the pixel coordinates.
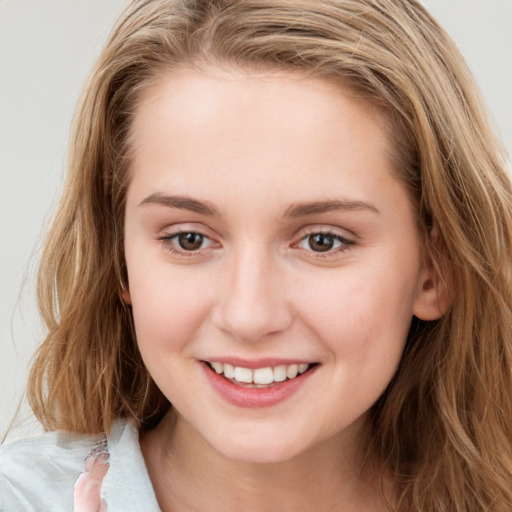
(190, 241)
(320, 242)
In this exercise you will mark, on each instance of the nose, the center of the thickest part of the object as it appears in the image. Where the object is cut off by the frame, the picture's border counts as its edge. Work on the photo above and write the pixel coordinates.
(253, 298)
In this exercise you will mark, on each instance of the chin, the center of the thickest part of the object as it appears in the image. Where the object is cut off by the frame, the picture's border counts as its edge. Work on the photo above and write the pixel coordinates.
(260, 456)
(260, 449)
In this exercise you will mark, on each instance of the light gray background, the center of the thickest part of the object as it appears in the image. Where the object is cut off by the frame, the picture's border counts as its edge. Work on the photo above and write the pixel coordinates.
(46, 50)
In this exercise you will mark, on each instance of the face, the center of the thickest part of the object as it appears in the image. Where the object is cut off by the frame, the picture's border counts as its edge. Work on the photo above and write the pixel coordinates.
(273, 259)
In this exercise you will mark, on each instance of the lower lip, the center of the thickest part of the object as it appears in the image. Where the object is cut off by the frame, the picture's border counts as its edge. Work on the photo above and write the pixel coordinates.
(255, 397)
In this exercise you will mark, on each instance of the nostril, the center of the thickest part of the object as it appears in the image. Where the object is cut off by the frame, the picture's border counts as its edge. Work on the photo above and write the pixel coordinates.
(252, 325)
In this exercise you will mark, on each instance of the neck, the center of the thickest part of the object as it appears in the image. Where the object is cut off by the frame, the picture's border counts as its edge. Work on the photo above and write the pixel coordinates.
(188, 474)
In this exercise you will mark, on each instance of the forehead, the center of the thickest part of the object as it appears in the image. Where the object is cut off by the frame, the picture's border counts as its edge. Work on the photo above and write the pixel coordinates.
(200, 94)
(255, 130)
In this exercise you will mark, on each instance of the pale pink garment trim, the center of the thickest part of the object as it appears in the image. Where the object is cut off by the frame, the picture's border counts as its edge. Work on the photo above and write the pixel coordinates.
(87, 489)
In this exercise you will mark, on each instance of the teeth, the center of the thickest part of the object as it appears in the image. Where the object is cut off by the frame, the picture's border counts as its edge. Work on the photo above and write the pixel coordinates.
(263, 376)
(229, 371)
(291, 372)
(217, 367)
(279, 373)
(243, 375)
(259, 376)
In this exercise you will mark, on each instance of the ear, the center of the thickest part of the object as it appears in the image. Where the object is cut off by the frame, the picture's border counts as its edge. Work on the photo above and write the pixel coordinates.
(436, 289)
(125, 294)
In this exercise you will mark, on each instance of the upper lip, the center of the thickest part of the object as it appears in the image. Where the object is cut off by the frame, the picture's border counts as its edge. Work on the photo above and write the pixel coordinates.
(257, 363)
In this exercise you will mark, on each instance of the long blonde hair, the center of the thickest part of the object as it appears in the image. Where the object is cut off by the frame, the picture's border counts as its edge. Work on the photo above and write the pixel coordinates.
(444, 425)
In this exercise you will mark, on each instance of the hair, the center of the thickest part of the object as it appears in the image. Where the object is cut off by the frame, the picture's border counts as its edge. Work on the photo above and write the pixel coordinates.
(443, 428)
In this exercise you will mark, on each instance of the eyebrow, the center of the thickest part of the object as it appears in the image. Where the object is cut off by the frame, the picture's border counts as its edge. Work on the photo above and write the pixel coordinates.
(181, 202)
(293, 211)
(316, 207)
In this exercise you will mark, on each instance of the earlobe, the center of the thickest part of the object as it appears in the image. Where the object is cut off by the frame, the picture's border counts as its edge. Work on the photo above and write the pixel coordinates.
(435, 292)
(125, 294)
(433, 298)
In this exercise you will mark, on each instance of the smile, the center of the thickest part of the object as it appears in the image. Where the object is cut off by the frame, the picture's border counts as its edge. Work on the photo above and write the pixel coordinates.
(265, 384)
(258, 376)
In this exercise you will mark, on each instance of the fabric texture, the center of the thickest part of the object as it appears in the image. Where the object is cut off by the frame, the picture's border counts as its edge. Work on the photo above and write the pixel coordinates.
(60, 471)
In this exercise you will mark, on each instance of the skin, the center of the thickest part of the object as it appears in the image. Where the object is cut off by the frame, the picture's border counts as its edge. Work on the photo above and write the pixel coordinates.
(252, 147)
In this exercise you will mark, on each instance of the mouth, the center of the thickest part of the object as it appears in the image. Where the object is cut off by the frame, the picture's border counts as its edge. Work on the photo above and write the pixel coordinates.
(266, 383)
(259, 378)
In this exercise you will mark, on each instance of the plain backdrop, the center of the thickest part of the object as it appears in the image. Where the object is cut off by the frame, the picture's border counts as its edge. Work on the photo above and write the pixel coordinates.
(46, 50)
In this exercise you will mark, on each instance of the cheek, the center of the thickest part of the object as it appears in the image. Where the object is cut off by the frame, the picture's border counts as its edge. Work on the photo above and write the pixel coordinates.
(361, 313)
(169, 305)
(362, 319)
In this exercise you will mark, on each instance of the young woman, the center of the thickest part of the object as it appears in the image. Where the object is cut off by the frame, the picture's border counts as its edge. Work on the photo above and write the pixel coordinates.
(280, 274)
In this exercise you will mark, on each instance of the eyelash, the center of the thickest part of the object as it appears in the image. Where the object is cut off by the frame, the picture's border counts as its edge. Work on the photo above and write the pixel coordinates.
(169, 245)
(345, 243)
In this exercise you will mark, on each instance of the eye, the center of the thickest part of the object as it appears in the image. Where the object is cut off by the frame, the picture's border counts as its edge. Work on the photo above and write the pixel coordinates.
(190, 241)
(324, 242)
(186, 242)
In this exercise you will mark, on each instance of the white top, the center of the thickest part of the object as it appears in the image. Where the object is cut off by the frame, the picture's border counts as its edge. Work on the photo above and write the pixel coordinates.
(60, 471)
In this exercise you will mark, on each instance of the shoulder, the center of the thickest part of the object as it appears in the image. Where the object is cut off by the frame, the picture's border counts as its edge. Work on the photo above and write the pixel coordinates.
(59, 470)
(39, 473)
(127, 485)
